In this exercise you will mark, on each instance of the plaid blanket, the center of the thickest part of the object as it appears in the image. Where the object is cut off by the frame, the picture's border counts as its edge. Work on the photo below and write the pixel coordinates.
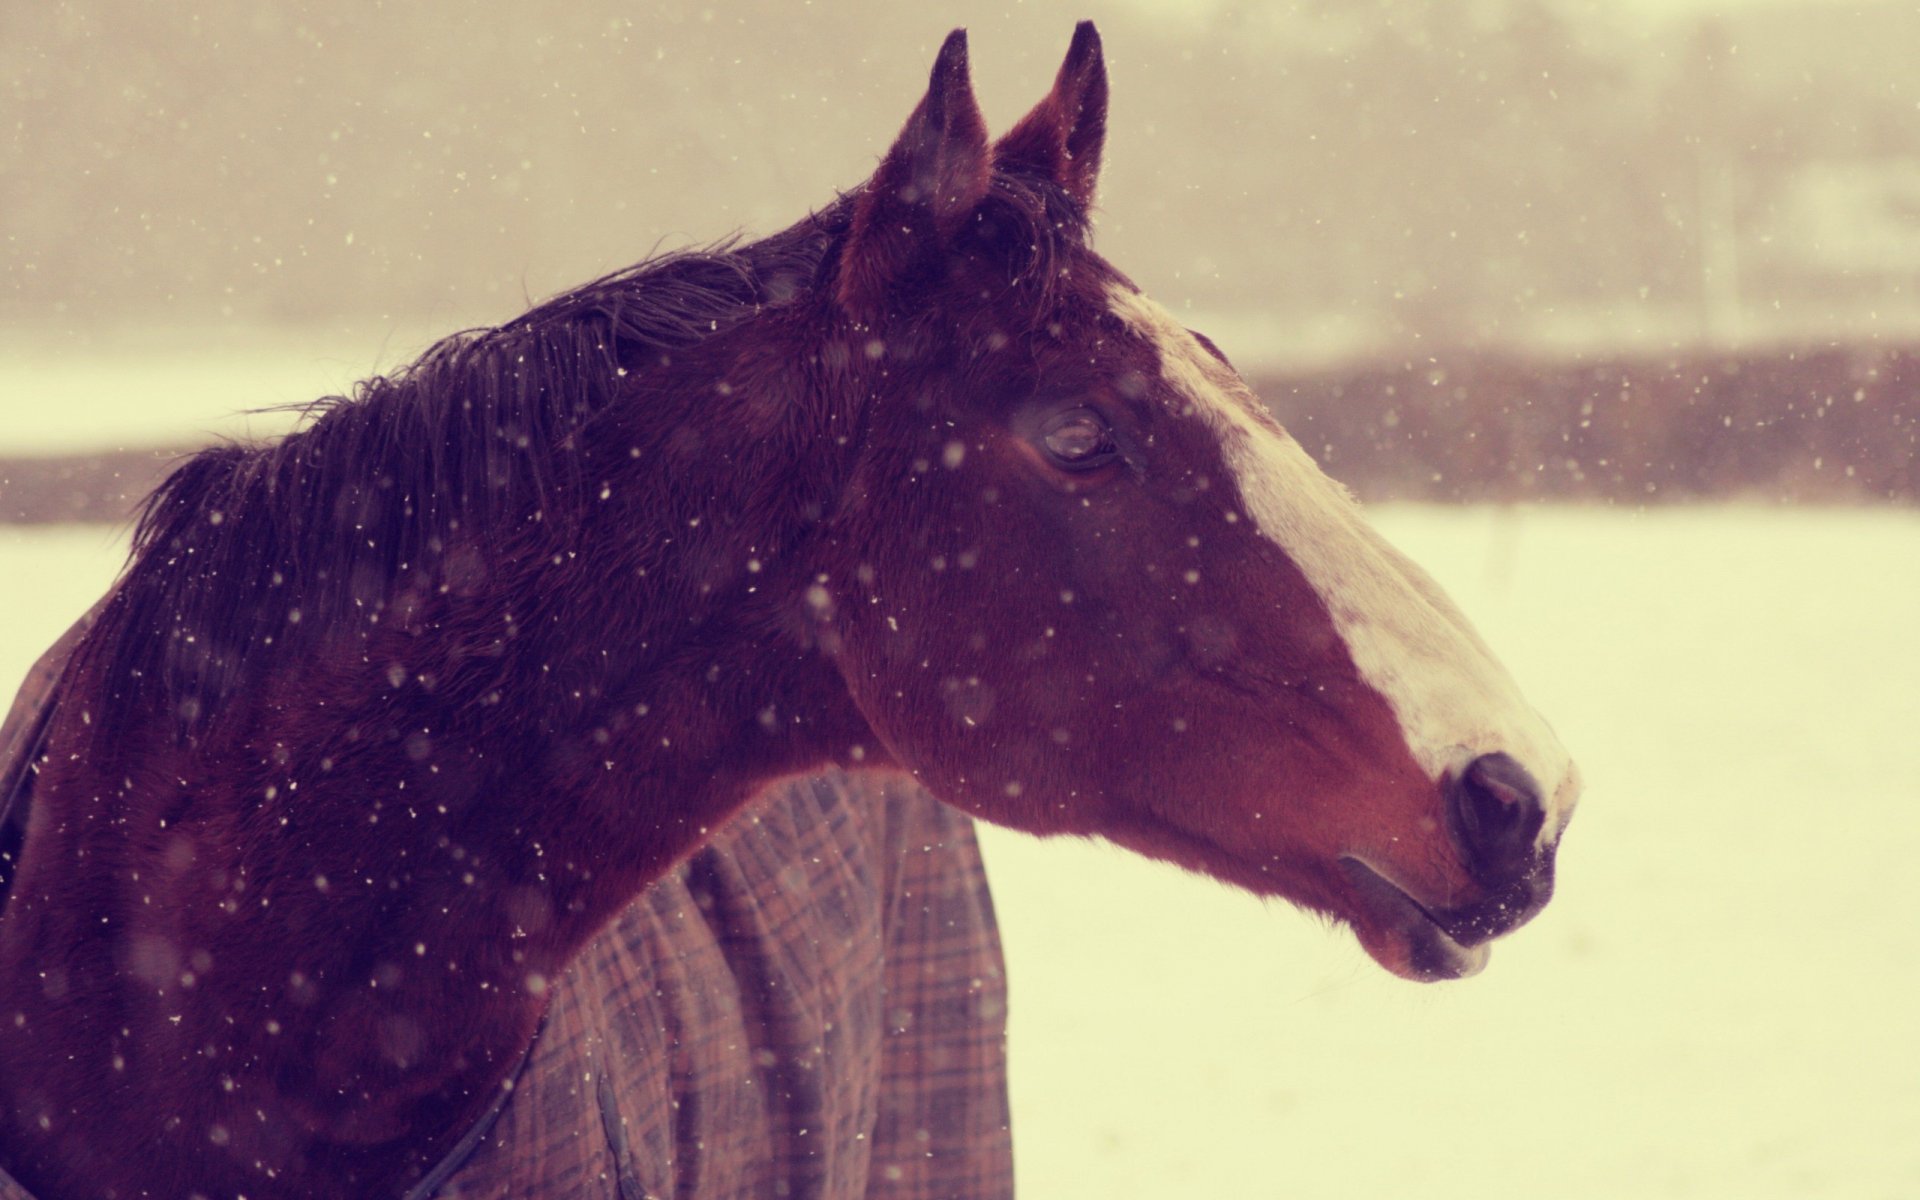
(813, 1006)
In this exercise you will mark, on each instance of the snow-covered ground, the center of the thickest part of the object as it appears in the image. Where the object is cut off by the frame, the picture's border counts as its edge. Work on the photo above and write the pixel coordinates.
(1720, 1002)
(65, 391)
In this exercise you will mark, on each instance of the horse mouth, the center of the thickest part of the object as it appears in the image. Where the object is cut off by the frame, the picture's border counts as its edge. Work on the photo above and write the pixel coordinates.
(1402, 934)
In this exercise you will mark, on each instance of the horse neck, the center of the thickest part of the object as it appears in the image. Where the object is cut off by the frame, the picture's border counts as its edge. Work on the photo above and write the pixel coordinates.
(471, 789)
(660, 666)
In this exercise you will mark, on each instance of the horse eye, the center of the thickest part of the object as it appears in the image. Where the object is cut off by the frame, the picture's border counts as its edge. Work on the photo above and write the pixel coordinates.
(1079, 439)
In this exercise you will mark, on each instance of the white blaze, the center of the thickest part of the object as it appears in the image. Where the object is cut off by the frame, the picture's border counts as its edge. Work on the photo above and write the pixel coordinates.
(1453, 699)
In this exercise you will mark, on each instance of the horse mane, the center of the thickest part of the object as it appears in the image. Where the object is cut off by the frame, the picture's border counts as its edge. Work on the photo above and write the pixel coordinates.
(248, 552)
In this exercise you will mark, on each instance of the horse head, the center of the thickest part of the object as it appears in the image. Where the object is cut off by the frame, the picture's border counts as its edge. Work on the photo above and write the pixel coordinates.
(1081, 580)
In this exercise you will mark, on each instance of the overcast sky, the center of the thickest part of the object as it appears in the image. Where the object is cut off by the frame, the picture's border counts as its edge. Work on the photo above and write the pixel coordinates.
(1650, 11)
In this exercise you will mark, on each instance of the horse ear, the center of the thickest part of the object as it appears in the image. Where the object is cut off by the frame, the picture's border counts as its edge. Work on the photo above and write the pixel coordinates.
(1062, 137)
(929, 182)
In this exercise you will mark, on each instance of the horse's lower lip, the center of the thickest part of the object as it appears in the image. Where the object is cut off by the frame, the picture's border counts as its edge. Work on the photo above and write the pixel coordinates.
(1402, 935)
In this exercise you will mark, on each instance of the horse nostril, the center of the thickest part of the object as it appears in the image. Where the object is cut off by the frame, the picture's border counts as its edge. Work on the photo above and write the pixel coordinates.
(1497, 813)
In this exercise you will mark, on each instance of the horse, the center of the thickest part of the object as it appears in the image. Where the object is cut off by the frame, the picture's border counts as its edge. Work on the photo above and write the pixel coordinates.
(386, 718)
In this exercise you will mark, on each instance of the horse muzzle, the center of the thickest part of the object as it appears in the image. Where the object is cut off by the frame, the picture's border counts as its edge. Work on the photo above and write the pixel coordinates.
(1496, 816)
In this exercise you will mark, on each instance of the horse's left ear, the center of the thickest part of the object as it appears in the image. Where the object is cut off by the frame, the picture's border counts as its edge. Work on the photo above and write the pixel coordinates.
(926, 187)
(1062, 137)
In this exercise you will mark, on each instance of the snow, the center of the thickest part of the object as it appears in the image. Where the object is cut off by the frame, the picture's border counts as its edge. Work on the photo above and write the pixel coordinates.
(1717, 1004)
(66, 393)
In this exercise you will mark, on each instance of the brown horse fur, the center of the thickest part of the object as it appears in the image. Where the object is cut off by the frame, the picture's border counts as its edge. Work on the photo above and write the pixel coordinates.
(385, 720)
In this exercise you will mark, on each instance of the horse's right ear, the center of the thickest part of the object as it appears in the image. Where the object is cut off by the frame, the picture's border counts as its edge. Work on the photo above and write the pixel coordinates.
(1061, 139)
(928, 184)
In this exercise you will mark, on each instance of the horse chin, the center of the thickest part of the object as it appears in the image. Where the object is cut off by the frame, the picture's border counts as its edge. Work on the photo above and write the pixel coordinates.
(1396, 930)
(1401, 935)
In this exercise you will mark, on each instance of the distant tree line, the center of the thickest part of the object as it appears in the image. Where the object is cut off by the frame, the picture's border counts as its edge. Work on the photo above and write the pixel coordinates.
(1825, 425)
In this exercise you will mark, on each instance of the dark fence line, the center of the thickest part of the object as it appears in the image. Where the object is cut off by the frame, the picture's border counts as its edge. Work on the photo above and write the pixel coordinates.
(99, 487)
(1831, 425)
(1838, 424)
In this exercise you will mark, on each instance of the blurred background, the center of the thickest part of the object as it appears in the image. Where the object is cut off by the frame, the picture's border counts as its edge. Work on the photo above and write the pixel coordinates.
(1608, 309)
(1473, 248)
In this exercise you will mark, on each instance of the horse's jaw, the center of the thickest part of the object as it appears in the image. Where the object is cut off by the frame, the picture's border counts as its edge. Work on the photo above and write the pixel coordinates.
(1405, 936)
(1410, 932)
